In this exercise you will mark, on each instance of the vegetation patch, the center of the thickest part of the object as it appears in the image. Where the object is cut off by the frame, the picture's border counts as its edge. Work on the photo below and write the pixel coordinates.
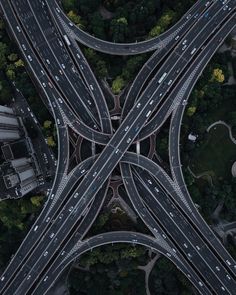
(216, 154)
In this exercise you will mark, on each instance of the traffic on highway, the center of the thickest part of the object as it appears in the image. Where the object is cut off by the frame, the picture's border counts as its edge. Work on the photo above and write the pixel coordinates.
(48, 42)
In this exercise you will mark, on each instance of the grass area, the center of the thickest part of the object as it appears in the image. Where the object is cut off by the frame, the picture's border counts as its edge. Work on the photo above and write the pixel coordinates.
(215, 155)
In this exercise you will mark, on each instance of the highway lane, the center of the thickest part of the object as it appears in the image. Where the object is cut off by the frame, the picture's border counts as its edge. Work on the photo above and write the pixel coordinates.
(43, 222)
(164, 47)
(110, 238)
(116, 48)
(162, 177)
(182, 234)
(174, 155)
(98, 100)
(179, 93)
(75, 202)
(190, 51)
(77, 236)
(40, 75)
(32, 66)
(213, 11)
(48, 43)
(89, 79)
(190, 212)
(206, 231)
(63, 138)
(155, 228)
(112, 140)
(184, 221)
(45, 219)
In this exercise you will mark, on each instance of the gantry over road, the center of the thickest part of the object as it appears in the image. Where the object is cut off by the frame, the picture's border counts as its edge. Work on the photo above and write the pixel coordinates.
(46, 39)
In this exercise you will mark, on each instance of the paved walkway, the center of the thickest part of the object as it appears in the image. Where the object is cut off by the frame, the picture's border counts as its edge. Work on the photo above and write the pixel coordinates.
(205, 173)
(147, 269)
(226, 125)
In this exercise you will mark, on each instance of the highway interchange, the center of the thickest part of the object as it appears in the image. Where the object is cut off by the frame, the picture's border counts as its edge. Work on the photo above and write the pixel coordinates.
(46, 39)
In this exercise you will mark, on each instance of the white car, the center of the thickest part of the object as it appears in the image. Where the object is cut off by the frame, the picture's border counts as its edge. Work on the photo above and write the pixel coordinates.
(45, 278)
(36, 227)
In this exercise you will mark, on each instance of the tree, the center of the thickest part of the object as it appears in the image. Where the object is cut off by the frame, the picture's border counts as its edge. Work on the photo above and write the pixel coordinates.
(119, 29)
(19, 63)
(117, 85)
(218, 75)
(156, 31)
(163, 23)
(47, 124)
(75, 18)
(50, 141)
(191, 110)
(11, 74)
(36, 200)
(12, 57)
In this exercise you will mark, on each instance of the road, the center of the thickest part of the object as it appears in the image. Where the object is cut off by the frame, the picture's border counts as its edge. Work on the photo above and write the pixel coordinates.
(77, 196)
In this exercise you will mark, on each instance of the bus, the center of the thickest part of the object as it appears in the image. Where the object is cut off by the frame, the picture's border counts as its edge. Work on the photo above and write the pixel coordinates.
(67, 40)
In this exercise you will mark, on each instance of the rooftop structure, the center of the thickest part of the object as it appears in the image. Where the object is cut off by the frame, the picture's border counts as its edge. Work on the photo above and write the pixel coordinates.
(19, 169)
